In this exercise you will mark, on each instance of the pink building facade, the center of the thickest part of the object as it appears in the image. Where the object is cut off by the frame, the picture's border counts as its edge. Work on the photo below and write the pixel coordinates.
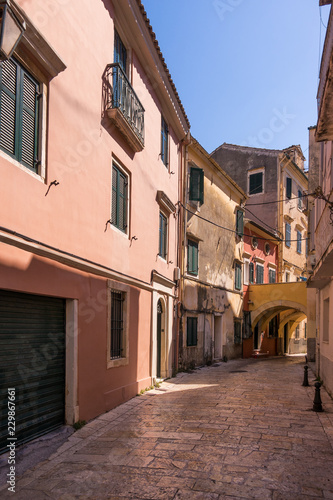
(92, 133)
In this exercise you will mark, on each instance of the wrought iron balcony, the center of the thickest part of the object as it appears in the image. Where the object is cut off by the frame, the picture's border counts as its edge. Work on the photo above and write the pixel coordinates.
(123, 106)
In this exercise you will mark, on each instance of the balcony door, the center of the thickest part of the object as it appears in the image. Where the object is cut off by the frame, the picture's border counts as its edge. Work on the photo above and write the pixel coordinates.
(119, 84)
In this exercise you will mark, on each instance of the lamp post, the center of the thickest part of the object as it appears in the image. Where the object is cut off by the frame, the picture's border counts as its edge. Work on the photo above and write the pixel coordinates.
(11, 29)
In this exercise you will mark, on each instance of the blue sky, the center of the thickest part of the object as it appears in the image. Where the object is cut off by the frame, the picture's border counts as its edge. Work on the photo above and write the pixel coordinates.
(246, 70)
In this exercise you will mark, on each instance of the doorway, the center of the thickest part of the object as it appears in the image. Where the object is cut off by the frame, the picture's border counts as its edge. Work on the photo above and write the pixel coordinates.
(218, 337)
(285, 335)
(159, 338)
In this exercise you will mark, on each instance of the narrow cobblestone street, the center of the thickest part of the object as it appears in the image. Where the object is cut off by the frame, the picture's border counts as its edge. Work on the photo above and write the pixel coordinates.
(238, 430)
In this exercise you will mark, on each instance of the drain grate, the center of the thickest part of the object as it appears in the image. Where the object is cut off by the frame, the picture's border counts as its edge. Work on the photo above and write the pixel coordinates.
(238, 371)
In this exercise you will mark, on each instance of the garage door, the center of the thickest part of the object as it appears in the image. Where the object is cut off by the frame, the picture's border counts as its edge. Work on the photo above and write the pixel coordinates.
(32, 362)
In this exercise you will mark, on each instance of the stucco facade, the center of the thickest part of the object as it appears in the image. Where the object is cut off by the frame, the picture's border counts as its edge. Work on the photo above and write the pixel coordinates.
(211, 304)
(83, 222)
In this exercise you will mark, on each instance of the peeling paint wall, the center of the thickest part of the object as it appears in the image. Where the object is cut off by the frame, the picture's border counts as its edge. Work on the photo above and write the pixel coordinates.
(211, 296)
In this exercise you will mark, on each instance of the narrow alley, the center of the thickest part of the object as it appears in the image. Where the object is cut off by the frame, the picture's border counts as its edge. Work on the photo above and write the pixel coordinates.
(235, 430)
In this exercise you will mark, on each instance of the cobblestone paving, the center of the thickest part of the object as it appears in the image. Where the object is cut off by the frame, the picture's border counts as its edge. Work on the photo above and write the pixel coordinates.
(238, 430)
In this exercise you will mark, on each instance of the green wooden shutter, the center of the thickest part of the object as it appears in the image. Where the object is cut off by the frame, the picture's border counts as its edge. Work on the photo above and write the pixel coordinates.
(164, 142)
(19, 114)
(29, 120)
(238, 276)
(256, 183)
(260, 274)
(251, 272)
(163, 236)
(8, 106)
(192, 332)
(272, 275)
(192, 257)
(119, 199)
(237, 332)
(197, 184)
(240, 223)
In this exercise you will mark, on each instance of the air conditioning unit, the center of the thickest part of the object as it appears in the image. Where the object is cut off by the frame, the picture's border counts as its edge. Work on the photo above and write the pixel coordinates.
(176, 274)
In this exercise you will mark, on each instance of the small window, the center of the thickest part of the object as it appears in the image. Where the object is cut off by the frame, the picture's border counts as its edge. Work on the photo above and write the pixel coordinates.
(288, 235)
(251, 273)
(256, 183)
(254, 242)
(164, 142)
(299, 242)
(240, 223)
(163, 234)
(196, 184)
(287, 277)
(237, 332)
(272, 275)
(19, 116)
(238, 276)
(267, 249)
(119, 199)
(117, 325)
(259, 274)
(192, 332)
(192, 257)
(288, 187)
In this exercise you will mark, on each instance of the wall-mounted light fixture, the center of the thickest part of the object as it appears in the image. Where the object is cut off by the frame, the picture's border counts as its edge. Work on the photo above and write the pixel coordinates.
(11, 30)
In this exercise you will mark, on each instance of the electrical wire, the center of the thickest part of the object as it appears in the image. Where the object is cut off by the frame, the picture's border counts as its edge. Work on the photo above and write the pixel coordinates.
(236, 232)
(277, 201)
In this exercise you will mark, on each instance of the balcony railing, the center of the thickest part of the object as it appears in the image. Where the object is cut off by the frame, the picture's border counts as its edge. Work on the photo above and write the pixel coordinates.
(123, 106)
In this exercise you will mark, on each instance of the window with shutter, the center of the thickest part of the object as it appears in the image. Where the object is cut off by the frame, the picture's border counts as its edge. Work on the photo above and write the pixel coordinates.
(256, 183)
(119, 199)
(192, 257)
(288, 235)
(192, 332)
(299, 242)
(163, 236)
(196, 184)
(251, 272)
(300, 197)
(237, 332)
(272, 276)
(259, 274)
(288, 187)
(238, 276)
(164, 142)
(240, 223)
(19, 112)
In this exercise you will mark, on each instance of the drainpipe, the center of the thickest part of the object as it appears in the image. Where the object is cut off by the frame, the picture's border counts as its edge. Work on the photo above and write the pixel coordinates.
(181, 238)
(280, 218)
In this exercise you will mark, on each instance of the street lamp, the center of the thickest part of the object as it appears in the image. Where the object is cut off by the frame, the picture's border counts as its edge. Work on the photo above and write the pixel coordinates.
(11, 30)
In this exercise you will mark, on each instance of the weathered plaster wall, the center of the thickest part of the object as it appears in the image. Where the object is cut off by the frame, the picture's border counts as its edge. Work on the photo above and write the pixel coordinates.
(237, 161)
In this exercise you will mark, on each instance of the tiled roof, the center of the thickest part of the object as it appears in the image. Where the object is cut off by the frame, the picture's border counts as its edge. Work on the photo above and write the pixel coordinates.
(158, 50)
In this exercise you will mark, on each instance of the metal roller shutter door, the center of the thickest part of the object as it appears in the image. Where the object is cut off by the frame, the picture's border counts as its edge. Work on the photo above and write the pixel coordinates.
(32, 360)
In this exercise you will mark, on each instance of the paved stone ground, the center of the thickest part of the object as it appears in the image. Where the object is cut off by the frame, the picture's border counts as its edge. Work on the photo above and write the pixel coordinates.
(238, 430)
